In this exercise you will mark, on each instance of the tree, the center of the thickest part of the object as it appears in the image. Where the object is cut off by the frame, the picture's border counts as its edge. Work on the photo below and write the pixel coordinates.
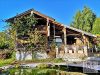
(5, 41)
(96, 26)
(84, 19)
(4, 44)
(23, 29)
(96, 31)
(77, 20)
(37, 42)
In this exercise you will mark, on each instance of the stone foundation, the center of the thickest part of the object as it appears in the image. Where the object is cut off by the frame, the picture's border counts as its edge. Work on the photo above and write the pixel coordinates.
(28, 55)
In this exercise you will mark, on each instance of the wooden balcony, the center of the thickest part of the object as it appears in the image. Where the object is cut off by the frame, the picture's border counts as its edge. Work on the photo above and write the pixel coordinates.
(42, 29)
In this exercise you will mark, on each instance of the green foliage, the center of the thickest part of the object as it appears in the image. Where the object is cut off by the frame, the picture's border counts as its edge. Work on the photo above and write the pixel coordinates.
(37, 41)
(23, 25)
(77, 20)
(24, 28)
(98, 43)
(48, 60)
(5, 41)
(41, 66)
(4, 62)
(84, 20)
(96, 26)
(5, 54)
(96, 30)
(36, 71)
(58, 60)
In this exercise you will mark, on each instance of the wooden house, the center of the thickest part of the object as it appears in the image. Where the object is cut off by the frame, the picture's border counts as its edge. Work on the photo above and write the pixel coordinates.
(74, 40)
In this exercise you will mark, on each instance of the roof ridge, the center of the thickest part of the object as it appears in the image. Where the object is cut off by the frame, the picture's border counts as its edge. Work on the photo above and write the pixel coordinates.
(28, 11)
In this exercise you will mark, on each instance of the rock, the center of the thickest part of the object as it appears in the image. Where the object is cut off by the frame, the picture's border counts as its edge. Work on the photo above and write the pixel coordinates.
(1, 70)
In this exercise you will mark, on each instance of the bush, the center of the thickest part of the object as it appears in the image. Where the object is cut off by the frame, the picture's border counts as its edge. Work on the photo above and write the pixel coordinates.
(58, 60)
(53, 46)
(7, 61)
(4, 46)
(5, 54)
(42, 66)
(61, 48)
(52, 54)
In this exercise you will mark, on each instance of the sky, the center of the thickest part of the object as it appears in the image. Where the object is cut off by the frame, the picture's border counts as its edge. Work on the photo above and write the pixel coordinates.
(61, 10)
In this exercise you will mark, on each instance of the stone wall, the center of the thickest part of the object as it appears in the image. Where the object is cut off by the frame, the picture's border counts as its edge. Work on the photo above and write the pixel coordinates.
(28, 55)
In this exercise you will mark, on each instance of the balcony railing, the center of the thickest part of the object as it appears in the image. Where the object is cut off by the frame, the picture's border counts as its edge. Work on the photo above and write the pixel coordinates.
(41, 27)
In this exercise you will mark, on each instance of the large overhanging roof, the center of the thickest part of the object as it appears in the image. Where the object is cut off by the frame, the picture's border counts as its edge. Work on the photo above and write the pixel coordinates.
(51, 20)
(29, 12)
(83, 32)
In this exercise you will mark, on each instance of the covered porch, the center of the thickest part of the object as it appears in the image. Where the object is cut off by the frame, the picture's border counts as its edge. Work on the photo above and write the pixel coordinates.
(77, 42)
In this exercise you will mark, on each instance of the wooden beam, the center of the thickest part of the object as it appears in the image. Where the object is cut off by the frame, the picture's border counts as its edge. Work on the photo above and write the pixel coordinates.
(73, 34)
(39, 18)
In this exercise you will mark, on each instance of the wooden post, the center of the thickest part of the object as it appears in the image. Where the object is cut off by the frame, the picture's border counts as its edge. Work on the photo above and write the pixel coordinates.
(85, 44)
(65, 40)
(48, 27)
(64, 30)
(88, 43)
(54, 32)
(48, 31)
(57, 52)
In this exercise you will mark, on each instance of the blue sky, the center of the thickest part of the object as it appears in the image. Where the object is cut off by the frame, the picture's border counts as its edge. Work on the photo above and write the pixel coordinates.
(62, 10)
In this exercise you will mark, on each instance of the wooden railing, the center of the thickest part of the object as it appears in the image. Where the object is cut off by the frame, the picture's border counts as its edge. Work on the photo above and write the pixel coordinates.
(74, 47)
(41, 27)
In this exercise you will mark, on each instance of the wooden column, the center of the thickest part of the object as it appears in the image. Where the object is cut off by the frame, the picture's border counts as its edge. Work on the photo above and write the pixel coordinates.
(54, 32)
(65, 39)
(88, 43)
(85, 44)
(48, 31)
(48, 28)
(57, 52)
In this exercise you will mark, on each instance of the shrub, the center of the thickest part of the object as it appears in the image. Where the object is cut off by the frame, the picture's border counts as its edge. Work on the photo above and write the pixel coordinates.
(41, 66)
(53, 46)
(58, 60)
(61, 48)
(6, 62)
(52, 54)
(5, 54)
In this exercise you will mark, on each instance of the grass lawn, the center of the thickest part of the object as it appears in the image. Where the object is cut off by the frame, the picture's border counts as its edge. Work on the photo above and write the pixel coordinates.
(53, 60)
(36, 71)
(4, 62)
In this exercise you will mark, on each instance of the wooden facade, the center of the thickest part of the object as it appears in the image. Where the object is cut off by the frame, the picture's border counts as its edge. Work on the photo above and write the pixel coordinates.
(73, 39)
